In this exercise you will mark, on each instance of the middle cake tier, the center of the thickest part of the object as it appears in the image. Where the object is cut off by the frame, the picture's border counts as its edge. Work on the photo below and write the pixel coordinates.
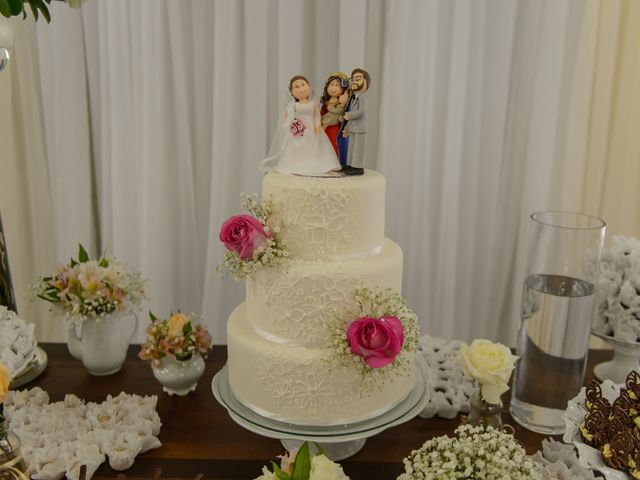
(294, 304)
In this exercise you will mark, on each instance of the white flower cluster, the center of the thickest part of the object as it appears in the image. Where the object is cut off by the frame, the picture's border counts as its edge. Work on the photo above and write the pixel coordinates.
(475, 453)
(17, 341)
(374, 303)
(321, 469)
(617, 311)
(59, 437)
(91, 288)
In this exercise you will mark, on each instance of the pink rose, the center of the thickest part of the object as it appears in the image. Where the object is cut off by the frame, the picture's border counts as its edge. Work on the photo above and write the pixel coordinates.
(243, 234)
(377, 340)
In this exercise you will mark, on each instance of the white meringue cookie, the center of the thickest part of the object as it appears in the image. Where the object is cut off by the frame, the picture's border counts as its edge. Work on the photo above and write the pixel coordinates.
(60, 437)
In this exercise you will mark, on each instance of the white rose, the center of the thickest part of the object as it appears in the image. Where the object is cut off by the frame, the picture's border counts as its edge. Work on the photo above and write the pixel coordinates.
(266, 475)
(324, 469)
(490, 364)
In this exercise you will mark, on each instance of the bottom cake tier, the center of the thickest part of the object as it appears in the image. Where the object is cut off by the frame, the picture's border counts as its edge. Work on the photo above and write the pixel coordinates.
(300, 385)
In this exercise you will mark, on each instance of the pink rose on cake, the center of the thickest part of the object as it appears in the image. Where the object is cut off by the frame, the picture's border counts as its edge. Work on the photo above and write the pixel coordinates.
(377, 340)
(252, 241)
(243, 234)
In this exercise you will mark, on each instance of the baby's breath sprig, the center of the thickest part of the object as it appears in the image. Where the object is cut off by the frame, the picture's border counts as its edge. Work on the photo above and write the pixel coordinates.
(475, 452)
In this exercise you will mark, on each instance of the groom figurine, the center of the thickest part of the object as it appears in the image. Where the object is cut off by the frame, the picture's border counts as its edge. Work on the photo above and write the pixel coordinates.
(357, 122)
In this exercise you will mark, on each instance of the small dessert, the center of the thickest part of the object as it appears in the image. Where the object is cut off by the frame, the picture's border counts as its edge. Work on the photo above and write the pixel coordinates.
(614, 428)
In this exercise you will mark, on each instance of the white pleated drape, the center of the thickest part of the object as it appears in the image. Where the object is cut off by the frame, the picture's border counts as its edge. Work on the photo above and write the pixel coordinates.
(158, 112)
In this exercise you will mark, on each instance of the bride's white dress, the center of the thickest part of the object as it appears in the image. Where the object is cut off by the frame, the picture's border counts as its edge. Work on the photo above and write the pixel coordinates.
(308, 154)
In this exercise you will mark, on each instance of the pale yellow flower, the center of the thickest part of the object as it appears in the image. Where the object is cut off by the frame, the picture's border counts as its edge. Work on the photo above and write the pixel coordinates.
(324, 469)
(90, 276)
(490, 364)
(266, 475)
(176, 324)
(5, 380)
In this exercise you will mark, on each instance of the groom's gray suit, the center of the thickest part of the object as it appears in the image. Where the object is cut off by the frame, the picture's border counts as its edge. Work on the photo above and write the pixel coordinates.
(357, 126)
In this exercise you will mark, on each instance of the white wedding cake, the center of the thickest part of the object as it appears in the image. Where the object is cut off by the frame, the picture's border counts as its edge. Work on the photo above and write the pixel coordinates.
(279, 342)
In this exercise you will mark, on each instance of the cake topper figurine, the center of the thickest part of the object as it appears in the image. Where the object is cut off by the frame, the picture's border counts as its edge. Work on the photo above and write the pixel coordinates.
(334, 101)
(299, 145)
(355, 122)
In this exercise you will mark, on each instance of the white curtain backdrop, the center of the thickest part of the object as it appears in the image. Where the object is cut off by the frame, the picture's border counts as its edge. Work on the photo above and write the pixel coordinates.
(157, 113)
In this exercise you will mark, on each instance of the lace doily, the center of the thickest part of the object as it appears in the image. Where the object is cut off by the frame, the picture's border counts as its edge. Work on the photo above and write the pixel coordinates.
(449, 389)
(60, 437)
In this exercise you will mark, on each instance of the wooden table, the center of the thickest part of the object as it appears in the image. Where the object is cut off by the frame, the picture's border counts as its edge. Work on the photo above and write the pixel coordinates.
(198, 436)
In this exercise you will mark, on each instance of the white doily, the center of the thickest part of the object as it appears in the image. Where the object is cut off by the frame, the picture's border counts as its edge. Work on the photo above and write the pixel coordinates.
(60, 437)
(449, 389)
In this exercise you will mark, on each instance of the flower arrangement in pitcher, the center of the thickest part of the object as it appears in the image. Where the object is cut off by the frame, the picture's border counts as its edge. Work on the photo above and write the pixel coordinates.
(86, 288)
(372, 338)
(180, 337)
(301, 465)
(252, 240)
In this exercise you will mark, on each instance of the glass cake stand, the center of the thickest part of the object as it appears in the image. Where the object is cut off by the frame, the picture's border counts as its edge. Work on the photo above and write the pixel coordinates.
(626, 357)
(338, 441)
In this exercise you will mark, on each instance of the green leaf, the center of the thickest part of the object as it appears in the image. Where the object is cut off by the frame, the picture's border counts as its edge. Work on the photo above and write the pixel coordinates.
(45, 11)
(48, 299)
(320, 450)
(152, 316)
(79, 290)
(187, 329)
(104, 262)
(73, 263)
(5, 8)
(16, 7)
(279, 473)
(83, 256)
(302, 464)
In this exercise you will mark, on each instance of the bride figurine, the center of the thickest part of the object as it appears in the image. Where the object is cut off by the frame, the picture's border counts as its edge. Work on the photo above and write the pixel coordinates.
(300, 145)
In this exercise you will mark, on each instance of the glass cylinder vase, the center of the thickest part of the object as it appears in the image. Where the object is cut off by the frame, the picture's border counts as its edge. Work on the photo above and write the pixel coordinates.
(482, 412)
(6, 41)
(7, 297)
(556, 311)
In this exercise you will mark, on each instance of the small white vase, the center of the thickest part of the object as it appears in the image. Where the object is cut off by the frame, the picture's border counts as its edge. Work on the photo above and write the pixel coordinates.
(179, 377)
(101, 343)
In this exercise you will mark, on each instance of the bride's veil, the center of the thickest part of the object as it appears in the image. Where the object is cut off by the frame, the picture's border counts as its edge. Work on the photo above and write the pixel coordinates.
(279, 140)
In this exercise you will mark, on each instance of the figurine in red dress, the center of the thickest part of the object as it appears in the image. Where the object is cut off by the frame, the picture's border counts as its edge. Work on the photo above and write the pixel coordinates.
(334, 100)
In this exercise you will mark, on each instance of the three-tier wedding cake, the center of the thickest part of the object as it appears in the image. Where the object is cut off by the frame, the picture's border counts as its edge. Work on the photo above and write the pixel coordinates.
(280, 344)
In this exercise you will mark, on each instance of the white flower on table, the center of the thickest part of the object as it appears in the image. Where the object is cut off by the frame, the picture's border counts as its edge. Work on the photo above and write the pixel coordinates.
(490, 364)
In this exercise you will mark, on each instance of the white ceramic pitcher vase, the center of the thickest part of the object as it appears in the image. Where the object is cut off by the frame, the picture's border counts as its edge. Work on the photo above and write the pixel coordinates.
(101, 343)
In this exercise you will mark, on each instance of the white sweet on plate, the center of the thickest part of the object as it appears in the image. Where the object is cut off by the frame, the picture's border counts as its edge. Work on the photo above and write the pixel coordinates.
(57, 438)
(17, 341)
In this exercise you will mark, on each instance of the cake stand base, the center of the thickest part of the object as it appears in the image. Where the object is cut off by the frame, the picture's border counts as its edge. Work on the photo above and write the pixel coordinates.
(338, 441)
(335, 451)
(626, 357)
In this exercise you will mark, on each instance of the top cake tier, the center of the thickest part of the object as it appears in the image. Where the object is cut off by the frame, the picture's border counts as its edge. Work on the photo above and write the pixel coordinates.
(332, 219)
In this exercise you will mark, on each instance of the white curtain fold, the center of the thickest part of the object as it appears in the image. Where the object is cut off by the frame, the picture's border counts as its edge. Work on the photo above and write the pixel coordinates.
(158, 112)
